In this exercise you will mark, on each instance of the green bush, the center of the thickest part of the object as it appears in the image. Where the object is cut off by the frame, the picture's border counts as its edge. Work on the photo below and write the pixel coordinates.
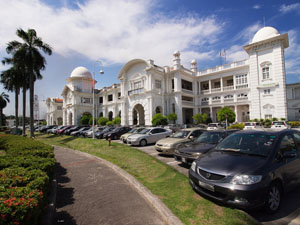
(159, 119)
(108, 123)
(239, 126)
(294, 124)
(26, 169)
(222, 113)
(102, 121)
(117, 121)
(172, 117)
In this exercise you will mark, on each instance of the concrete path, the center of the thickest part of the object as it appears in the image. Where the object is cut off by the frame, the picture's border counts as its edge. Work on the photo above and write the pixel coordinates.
(91, 193)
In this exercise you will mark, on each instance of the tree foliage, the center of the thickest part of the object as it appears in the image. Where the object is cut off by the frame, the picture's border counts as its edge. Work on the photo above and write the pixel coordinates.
(226, 111)
(117, 121)
(159, 119)
(200, 118)
(85, 119)
(4, 99)
(172, 117)
(102, 121)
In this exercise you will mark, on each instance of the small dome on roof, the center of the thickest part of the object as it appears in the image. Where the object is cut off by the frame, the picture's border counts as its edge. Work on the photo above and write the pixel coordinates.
(265, 33)
(176, 53)
(81, 72)
(194, 61)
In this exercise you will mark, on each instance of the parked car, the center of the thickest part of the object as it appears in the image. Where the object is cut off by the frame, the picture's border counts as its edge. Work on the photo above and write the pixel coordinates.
(250, 169)
(72, 129)
(62, 130)
(214, 126)
(188, 152)
(78, 132)
(148, 136)
(116, 133)
(54, 129)
(100, 134)
(131, 132)
(89, 132)
(45, 128)
(173, 127)
(168, 145)
(280, 125)
(253, 125)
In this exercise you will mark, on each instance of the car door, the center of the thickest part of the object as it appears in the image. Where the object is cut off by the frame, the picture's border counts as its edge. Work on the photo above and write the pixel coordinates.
(297, 140)
(152, 136)
(289, 158)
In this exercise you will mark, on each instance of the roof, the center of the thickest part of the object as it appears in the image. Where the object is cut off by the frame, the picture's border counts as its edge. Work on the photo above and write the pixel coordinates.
(265, 33)
(58, 100)
(81, 72)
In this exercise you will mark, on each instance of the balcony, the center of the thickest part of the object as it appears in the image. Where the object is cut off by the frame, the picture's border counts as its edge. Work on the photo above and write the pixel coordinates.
(228, 88)
(205, 91)
(204, 103)
(244, 98)
(228, 99)
(136, 91)
(213, 90)
(215, 101)
(190, 103)
(187, 91)
(243, 86)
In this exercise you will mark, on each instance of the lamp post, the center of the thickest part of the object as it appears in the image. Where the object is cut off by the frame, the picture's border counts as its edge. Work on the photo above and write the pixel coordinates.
(101, 72)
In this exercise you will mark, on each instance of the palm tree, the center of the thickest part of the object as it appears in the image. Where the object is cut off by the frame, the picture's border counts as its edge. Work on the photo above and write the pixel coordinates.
(4, 98)
(33, 60)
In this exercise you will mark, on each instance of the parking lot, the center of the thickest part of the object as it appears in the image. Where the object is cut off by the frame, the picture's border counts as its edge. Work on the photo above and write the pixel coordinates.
(289, 213)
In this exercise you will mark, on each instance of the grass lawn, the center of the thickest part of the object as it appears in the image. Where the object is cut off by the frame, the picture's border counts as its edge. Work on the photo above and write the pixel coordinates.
(162, 180)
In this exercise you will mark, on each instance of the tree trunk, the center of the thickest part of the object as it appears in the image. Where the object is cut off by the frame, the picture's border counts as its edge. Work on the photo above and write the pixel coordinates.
(17, 107)
(24, 109)
(1, 114)
(31, 91)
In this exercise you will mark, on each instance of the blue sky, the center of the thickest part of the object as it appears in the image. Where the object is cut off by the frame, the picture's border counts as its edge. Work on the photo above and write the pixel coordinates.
(116, 31)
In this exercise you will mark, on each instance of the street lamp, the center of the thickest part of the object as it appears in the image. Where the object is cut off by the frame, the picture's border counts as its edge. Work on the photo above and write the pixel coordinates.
(101, 72)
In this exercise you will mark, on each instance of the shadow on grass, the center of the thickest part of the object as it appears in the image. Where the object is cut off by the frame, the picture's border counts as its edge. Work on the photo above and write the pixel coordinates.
(69, 139)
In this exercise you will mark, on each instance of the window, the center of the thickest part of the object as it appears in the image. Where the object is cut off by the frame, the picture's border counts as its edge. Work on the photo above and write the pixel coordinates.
(268, 116)
(217, 84)
(205, 86)
(266, 72)
(215, 98)
(204, 100)
(157, 83)
(228, 96)
(297, 139)
(187, 85)
(229, 82)
(297, 93)
(186, 98)
(287, 144)
(173, 84)
(267, 91)
(241, 79)
(85, 100)
(109, 98)
(137, 85)
(119, 95)
(59, 107)
(173, 108)
(101, 100)
(242, 95)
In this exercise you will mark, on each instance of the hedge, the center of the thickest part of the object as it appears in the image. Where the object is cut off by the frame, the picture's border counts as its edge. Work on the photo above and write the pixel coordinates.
(26, 169)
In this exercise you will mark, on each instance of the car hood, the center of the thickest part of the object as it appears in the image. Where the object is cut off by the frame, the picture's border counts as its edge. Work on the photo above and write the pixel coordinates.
(230, 163)
(196, 147)
(165, 141)
(126, 135)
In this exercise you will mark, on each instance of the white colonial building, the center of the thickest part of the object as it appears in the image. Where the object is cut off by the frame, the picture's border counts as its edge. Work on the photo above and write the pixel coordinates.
(253, 88)
(293, 101)
(54, 111)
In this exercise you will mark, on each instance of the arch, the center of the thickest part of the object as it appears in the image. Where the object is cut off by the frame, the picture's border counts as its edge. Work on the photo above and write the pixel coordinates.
(101, 114)
(138, 115)
(158, 109)
(59, 121)
(110, 116)
(119, 114)
(129, 64)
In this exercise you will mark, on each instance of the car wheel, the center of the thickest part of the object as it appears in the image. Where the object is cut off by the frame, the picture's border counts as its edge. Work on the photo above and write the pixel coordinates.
(273, 200)
(143, 142)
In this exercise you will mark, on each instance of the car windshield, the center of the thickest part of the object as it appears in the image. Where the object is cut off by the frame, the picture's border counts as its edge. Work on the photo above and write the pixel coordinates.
(249, 124)
(212, 125)
(210, 137)
(133, 131)
(181, 134)
(116, 129)
(250, 144)
(278, 123)
(106, 129)
(145, 131)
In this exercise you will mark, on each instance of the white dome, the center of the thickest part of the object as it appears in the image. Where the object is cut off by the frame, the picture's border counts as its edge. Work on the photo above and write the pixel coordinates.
(81, 72)
(265, 33)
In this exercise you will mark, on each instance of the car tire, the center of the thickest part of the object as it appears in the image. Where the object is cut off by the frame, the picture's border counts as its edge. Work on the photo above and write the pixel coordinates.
(273, 199)
(143, 142)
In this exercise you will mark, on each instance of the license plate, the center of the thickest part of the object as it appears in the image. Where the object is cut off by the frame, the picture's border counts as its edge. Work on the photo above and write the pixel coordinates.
(207, 186)
(183, 160)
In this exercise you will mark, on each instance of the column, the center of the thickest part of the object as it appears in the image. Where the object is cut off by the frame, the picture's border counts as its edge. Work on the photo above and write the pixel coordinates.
(209, 85)
(210, 113)
(178, 108)
(236, 113)
(221, 83)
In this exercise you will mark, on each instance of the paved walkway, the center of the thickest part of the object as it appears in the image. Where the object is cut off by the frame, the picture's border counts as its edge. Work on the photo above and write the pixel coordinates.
(91, 193)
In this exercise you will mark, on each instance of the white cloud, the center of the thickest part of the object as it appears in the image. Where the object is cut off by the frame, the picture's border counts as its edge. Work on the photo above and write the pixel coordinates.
(292, 54)
(111, 30)
(235, 53)
(247, 33)
(288, 8)
(257, 6)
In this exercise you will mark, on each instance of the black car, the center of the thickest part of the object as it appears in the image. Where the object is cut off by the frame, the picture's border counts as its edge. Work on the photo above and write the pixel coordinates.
(250, 169)
(45, 128)
(187, 153)
(100, 134)
(72, 129)
(78, 132)
(116, 133)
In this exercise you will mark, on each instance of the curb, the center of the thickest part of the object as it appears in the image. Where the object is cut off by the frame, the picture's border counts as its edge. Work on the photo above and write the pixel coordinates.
(155, 202)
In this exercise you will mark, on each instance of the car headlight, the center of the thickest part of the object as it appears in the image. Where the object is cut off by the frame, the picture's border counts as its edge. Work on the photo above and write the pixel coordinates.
(193, 166)
(246, 179)
(196, 154)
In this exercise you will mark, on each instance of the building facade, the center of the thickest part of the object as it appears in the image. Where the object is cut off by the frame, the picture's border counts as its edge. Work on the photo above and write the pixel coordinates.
(293, 101)
(253, 88)
(54, 111)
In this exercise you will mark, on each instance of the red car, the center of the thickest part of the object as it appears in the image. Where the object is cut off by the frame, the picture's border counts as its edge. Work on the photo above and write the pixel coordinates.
(61, 131)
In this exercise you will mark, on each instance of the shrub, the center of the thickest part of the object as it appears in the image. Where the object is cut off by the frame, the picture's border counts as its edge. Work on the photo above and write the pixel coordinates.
(200, 118)
(239, 126)
(172, 117)
(102, 121)
(159, 119)
(294, 124)
(226, 111)
(109, 123)
(85, 118)
(117, 121)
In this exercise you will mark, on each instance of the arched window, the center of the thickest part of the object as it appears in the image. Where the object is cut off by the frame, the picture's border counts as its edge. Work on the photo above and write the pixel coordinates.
(101, 114)
(119, 114)
(158, 110)
(173, 108)
(110, 116)
(266, 70)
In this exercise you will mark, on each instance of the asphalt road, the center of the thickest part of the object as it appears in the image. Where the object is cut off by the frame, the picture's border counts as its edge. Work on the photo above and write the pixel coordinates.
(289, 213)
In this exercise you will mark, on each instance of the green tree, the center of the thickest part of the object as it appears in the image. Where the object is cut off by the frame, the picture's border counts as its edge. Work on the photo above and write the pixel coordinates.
(91, 120)
(172, 117)
(200, 118)
(85, 119)
(117, 121)
(226, 111)
(109, 123)
(32, 58)
(102, 121)
(159, 119)
(4, 99)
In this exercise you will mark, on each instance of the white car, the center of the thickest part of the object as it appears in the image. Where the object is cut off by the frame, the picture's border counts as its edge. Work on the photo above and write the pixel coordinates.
(253, 125)
(280, 125)
(214, 126)
(148, 136)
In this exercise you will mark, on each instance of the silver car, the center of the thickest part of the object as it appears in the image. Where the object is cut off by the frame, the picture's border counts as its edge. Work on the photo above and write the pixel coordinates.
(148, 136)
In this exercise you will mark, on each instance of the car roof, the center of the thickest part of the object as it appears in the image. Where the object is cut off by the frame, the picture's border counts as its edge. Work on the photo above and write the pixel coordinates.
(191, 129)
(267, 131)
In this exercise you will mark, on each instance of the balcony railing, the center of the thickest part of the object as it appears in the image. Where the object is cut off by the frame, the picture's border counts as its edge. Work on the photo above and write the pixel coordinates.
(136, 91)
(187, 102)
(243, 86)
(204, 103)
(228, 99)
(187, 91)
(205, 91)
(239, 99)
(215, 89)
(228, 88)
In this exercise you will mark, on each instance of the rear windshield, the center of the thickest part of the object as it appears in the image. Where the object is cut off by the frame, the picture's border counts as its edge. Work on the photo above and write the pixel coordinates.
(210, 137)
(212, 125)
(181, 134)
(278, 123)
(250, 144)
